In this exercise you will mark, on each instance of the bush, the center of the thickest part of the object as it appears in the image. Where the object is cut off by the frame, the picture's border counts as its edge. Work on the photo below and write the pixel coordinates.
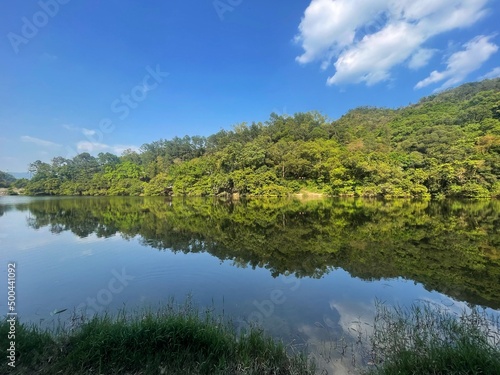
(469, 190)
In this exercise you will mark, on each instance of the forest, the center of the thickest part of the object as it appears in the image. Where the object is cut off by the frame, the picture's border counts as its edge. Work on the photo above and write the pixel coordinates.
(446, 145)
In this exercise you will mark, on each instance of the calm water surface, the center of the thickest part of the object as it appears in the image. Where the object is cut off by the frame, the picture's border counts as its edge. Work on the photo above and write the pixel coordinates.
(304, 270)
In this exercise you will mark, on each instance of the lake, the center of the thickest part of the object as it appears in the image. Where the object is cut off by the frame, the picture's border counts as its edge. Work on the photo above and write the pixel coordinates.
(307, 271)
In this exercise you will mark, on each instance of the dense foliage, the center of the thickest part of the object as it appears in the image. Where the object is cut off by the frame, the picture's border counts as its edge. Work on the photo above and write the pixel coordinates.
(445, 145)
(449, 246)
(6, 179)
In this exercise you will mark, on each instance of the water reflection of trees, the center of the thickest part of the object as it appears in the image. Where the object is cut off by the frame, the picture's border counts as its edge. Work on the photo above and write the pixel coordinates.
(452, 247)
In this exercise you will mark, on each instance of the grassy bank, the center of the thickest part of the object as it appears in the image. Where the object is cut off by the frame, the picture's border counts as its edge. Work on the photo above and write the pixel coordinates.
(180, 340)
(169, 341)
(424, 339)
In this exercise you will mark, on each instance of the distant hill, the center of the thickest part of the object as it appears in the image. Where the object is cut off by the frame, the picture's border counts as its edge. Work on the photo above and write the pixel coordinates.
(6, 179)
(446, 145)
(19, 175)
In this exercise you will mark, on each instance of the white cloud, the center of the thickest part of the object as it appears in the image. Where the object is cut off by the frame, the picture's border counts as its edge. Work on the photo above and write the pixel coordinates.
(119, 149)
(495, 73)
(70, 127)
(375, 55)
(462, 63)
(366, 39)
(39, 142)
(421, 58)
(94, 147)
(88, 132)
(328, 26)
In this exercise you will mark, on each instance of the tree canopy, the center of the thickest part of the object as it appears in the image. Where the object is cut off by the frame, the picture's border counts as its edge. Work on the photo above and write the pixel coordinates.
(6, 179)
(445, 145)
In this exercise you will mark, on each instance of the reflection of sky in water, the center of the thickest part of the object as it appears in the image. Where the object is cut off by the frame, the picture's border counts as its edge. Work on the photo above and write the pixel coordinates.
(62, 271)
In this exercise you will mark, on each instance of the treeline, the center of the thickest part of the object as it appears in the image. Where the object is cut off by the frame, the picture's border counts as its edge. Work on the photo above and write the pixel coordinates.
(6, 179)
(11, 183)
(445, 145)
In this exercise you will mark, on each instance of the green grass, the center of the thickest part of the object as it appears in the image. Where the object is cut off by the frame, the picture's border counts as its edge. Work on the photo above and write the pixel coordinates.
(179, 340)
(427, 340)
(168, 341)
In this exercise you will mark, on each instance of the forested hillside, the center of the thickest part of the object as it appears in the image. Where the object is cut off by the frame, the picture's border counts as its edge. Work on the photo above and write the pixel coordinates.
(6, 179)
(445, 145)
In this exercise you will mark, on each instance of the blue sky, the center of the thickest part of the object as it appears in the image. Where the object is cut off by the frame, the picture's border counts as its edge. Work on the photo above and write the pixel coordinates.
(104, 76)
